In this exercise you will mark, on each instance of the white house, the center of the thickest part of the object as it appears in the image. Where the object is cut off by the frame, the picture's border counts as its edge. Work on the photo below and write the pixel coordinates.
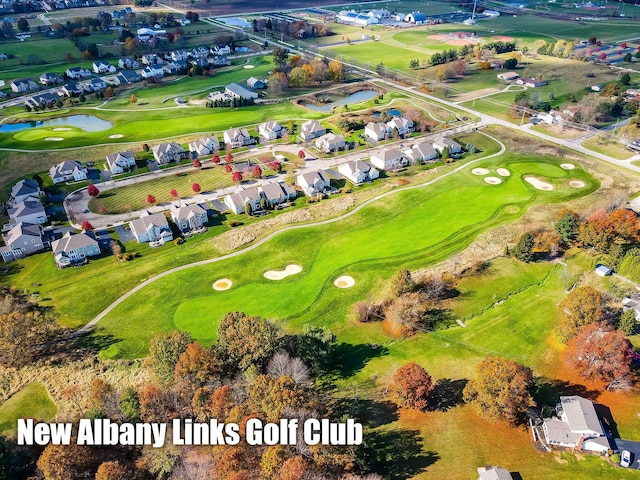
(179, 55)
(151, 71)
(77, 73)
(29, 211)
(254, 82)
(23, 85)
(377, 130)
(313, 183)
(25, 190)
(330, 142)
(508, 76)
(67, 171)
(421, 152)
(238, 137)
(151, 59)
(151, 228)
(221, 50)
(454, 147)
(238, 91)
(390, 159)
(74, 248)
(103, 67)
(237, 201)
(22, 240)
(403, 125)
(417, 18)
(167, 152)
(358, 172)
(311, 129)
(189, 217)
(277, 193)
(270, 130)
(493, 473)
(128, 62)
(50, 79)
(120, 162)
(204, 146)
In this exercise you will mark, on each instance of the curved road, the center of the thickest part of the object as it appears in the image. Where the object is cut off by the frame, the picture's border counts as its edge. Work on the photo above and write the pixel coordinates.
(263, 240)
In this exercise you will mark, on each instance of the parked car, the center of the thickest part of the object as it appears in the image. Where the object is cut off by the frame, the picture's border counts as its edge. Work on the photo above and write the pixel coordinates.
(625, 459)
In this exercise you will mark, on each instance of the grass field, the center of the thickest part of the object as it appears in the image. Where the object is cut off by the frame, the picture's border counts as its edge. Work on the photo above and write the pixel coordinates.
(608, 147)
(32, 401)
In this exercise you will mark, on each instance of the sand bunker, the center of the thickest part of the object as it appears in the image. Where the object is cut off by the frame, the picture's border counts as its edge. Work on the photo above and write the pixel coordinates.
(479, 171)
(461, 43)
(54, 139)
(61, 129)
(344, 281)
(492, 180)
(503, 38)
(539, 184)
(567, 166)
(222, 284)
(503, 172)
(576, 183)
(116, 135)
(248, 66)
(290, 269)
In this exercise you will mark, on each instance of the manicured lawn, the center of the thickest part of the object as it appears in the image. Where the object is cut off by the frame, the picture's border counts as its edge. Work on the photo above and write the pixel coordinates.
(373, 53)
(32, 401)
(608, 147)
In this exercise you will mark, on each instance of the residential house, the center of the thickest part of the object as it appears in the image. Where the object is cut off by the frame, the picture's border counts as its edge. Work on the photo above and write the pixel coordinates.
(311, 129)
(221, 50)
(237, 201)
(420, 152)
(219, 61)
(493, 473)
(29, 211)
(21, 240)
(151, 59)
(200, 62)
(508, 76)
(50, 79)
(151, 228)
(77, 73)
(73, 248)
(454, 147)
(173, 67)
(277, 193)
(127, 77)
(576, 426)
(313, 183)
(103, 67)
(358, 172)
(45, 99)
(25, 190)
(632, 302)
(238, 91)
(168, 152)
(200, 52)
(551, 117)
(417, 18)
(390, 159)
(23, 85)
(330, 142)
(238, 137)
(71, 89)
(270, 130)
(189, 217)
(121, 162)
(376, 130)
(67, 171)
(204, 146)
(404, 126)
(128, 63)
(531, 82)
(93, 85)
(256, 83)
(152, 71)
(179, 55)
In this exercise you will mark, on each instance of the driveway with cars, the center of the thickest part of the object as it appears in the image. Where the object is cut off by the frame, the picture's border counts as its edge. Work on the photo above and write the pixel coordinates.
(633, 447)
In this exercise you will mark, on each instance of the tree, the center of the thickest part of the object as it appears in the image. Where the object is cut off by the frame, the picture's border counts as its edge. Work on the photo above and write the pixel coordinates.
(228, 157)
(116, 248)
(280, 56)
(278, 83)
(413, 385)
(271, 396)
(627, 58)
(626, 226)
(293, 468)
(236, 177)
(271, 462)
(298, 77)
(597, 352)
(405, 314)
(523, 250)
(401, 283)
(336, 71)
(197, 163)
(511, 63)
(275, 166)
(227, 168)
(581, 307)
(627, 322)
(196, 188)
(567, 225)
(197, 366)
(445, 153)
(282, 364)
(301, 154)
(93, 191)
(414, 64)
(500, 389)
(86, 226)
(216, 158)
(151, 200)
(129, 404)
(597, 232)
(164, 352)
(23, 25)
(174, 193)
(66, 462)
(133, 98)
(257, 171)
(113, 471)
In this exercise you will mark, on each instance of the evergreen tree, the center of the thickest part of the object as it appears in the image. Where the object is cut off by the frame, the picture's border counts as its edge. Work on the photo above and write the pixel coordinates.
(523, 250)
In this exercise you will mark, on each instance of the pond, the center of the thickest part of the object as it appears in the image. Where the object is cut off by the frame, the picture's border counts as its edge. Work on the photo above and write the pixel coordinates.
(392, 111)
(357, 97)
(88, 123)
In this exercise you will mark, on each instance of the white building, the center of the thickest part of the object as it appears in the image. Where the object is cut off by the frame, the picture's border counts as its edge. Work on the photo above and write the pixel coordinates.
(313, 183)
(67, 171)
(358, 172)
(270, 130)
(390, 159)
(121, 162)
(151, 228)
(204, 146)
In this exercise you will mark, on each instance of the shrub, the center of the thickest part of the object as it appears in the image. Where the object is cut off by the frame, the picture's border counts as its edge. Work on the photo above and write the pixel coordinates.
(235, 223)
(615, 458)
(178, 241)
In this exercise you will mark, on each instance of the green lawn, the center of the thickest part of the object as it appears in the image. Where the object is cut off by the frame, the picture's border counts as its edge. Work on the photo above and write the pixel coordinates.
(33, 401)
(608, 147)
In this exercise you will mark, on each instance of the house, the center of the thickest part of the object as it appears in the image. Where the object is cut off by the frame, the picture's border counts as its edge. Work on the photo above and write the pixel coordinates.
(277, 193)
(189, 217)
(237, 201)
(390, 159)
(147, 34)
(238, 91)
(551, 117)
(21, 240)
(77, 73)
(576, 426)
(71, 89)
(120, 162)
(219, 61)
(358, 172)
(179, 55)
(221, 50)
(29, 211)
(93, 85)
(151, 59)
(168, 152)
(67, 171)
(531, 82)
(219, 96)
(632, 303)
(256, 83)
(330, 142)
(41, 99)
(493, 473)
(313, 183)
(25, 190)
(376, 130)
(151, 228)
(603, 271)
(73, 248)
(420, 152)
(152, 71)
(127, 77)
(403, 125)
(508, 76)
(238, 137)
(23, 85)
(50, 79)
(311, 129)
(128, 62)
(453, 146)
(383, 13)
(270, 130)
(417, 18)
(200, 52)
(103, 67)
(204, 146)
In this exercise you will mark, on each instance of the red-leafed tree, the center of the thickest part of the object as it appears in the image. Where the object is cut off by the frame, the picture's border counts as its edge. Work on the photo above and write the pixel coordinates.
(293, 468)
(276, 166)
(215, 158)
(623, 45)
(228, 157)
(626, 226)
(301, 154)
(237, 177)
(151, 200)
(257, 171)
(597, 352)
(174, 193)
(93, 191)
(86, 226)
(413, 385)
(603, 56)
(197, 163)
(196, 188)
(196, 366)
(227, 168)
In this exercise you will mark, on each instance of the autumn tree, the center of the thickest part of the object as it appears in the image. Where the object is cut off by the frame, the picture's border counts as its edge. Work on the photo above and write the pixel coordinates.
(413, 385)
(282, 364)
(271, 395)
(626, 226)
(133, 98)
(25, 332)
(336, 71)
(597, 352)
(500, 389)
(228, 157)
(597, 232)
(129, 403)
(174, 193)
(236, 177)
(315, 346)
(197, 366)
(196, 188)
(275, 166)
(405, 314)
(401, 283)
(92, 190)
(271, 462)
(157, 404)
(523, 250)
(627, 322)
(164, 352)
(257, 171)
(113, 471)
(227, 168)
(66, 462)
(216, 158)
(220, 403)
(116, 248)
(294, 468)
(581, 307)
(86, 226)
(151, 200)
(197, 163)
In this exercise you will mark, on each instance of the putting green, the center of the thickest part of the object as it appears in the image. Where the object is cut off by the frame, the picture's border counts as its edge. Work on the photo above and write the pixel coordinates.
(410, 228)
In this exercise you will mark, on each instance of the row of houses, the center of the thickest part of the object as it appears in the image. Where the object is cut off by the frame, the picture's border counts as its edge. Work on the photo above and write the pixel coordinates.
(271, 194)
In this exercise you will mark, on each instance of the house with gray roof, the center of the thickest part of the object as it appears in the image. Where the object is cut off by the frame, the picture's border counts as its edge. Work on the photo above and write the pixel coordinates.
(238, 137)
(189, 217)
(78, 72)
(168, 152)
(453, 146)
(74, 248)
(330, 142)
(404, 126)
(45, 99)
(23, 85)
(121, 162)
(313, 183)
(69, 170)
(493, 473)
(420, 152)
(270, 130)
(377, 130)
(205, 145)
(21, 240)
(389, 159)
(29, 211)
(151, 228)
(50, 79)
(128, 62)
(358, 172)
(127, 77)
(311, 129)
(277, 193)
(238, 91)
(237, 201)
(25, 190)
(256, 83)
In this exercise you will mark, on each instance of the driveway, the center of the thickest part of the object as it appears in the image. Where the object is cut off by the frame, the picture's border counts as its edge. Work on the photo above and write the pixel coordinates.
(104, 239)
(633, 447)
(124, 234)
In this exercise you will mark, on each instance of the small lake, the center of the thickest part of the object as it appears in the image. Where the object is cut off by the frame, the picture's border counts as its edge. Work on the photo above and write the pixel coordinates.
(361, 96)
(392, 111)
(88, 123)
